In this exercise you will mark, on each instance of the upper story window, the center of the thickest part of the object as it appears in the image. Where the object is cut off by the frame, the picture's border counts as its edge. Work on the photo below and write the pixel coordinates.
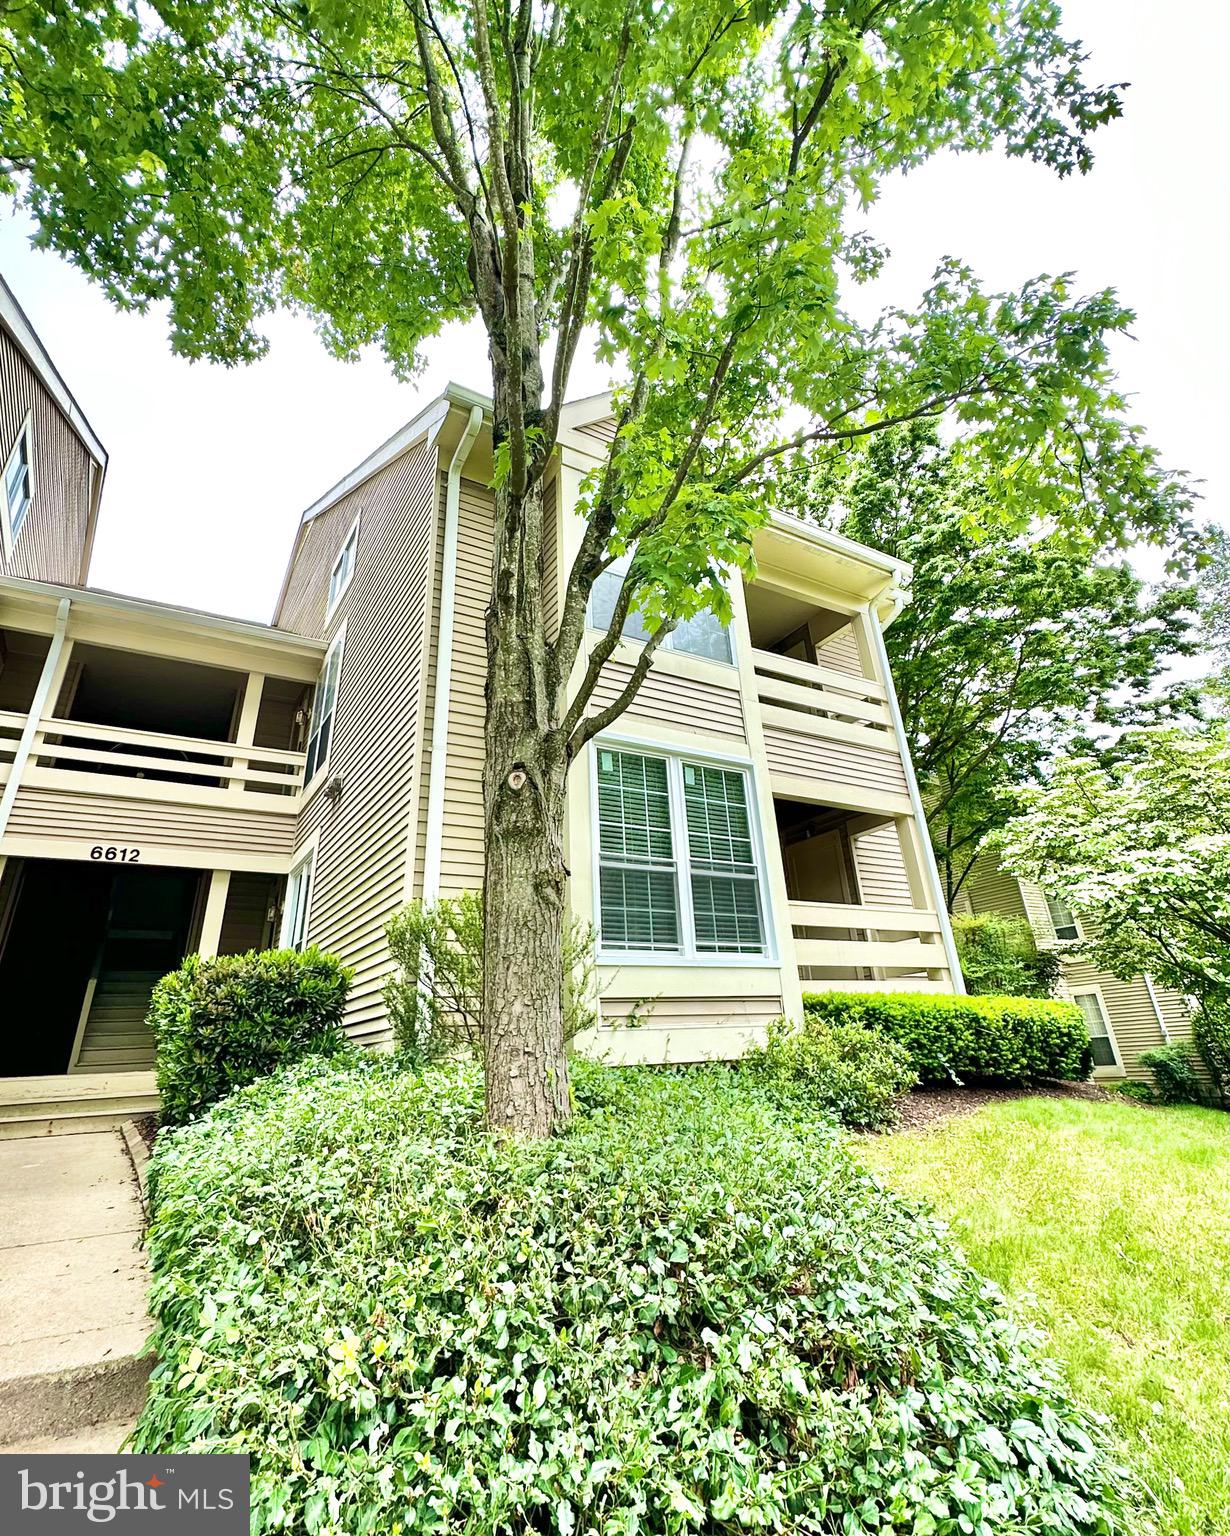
(343, 569)
(677, 866)
(323, 705)
(16, 488)
(703, 635)
(1063, 919)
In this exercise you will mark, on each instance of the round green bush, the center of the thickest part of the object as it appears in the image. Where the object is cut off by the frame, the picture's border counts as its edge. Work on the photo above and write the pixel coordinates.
(954, 1039)
(221, 1023)
(687, 1314)
(849, 1074)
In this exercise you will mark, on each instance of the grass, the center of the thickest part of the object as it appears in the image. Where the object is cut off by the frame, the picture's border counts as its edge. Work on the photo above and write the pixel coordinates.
(1108, 1225)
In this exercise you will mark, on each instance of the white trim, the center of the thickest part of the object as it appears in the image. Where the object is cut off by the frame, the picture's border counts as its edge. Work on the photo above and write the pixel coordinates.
(13, 318)
(1157, 1007)
(1062, 938)
(433, 847)
(926, 851)
(304, 855)
(215, 911)
(1091, 989)
(687, 954)
(34, 716)
(10, 533)
(338, 645)
(336, 597)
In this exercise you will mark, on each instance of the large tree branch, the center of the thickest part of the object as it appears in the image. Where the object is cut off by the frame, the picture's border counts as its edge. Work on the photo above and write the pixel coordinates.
(589, 727)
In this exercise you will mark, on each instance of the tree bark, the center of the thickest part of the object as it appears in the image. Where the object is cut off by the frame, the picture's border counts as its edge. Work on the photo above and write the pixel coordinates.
(524, 887)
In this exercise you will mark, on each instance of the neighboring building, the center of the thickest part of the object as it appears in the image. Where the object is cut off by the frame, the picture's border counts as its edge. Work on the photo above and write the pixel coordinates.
(174, 781)
(1124, 1017)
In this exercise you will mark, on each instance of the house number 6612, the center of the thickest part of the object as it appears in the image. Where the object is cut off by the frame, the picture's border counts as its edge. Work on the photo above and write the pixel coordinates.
(114, 855)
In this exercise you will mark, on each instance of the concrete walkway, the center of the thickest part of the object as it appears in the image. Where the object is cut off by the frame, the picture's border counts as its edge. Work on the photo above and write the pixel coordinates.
(73, 1281)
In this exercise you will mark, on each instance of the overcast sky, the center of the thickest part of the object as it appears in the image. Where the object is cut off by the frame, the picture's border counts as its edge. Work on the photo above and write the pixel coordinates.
(210, 468)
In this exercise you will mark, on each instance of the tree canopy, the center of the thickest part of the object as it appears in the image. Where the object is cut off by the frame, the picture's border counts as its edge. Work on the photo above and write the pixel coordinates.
(1143, 846)
(1017, 645)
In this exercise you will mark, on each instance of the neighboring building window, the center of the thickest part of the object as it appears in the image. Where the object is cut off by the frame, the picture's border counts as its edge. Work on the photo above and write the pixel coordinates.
(295, 909)
(702, 635)
(343, 569)
(322, 709)
(1100, 1037)
(1063, 920)
(663, 817)
(18, 487)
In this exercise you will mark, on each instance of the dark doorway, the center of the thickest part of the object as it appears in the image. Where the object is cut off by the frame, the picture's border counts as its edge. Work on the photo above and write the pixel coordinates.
(76, 928)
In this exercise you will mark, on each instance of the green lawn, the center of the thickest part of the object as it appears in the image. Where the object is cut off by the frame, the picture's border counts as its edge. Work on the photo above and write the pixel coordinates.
(1109, 1226)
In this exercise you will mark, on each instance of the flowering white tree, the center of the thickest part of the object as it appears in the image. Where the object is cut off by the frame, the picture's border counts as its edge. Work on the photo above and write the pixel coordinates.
(1143, 846)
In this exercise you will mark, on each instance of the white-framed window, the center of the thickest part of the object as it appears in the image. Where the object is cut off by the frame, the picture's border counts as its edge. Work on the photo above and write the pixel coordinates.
(679, 866)
(1101, 1037)
(320, 731)
(298, 900)
(702, 635)
(1063, 919)
(16, 488)
(343, 569)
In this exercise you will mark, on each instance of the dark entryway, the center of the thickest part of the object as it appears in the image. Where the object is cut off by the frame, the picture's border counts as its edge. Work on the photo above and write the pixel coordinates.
(77, 929)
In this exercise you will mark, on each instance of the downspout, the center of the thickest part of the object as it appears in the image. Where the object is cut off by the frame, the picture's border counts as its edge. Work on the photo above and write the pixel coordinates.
(920, 815)
(38, 707)
(434, 843)
(1157, 1008)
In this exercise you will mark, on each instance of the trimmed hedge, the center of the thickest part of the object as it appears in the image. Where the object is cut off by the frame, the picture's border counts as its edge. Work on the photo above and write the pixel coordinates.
(834, 1071)
(688, 1314)
(222, 1023)
(954, 1039)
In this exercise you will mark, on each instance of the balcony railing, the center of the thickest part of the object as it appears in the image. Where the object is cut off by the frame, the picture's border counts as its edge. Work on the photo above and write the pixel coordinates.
(869, 948)
(109, 753)
(819, 701)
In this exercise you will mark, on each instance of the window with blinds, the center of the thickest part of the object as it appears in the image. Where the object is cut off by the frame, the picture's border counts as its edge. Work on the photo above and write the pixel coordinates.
(677, 869)
(1090, 1004)
(725, 881)
(1063, 919)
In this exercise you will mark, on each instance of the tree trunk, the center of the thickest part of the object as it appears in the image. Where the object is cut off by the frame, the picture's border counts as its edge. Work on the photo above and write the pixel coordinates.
(524, 892)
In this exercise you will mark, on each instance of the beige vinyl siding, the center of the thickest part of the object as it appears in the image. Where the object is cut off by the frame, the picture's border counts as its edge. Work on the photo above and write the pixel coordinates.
(51, 543)
(672, 699)
(991, 889)
(675, 1028)
(1132, 1019)
(80, 820)
(840, 651)
(878, 862)
(320, 540)
(835, 762)
(20, 670)
(359, 879)
(246, 921)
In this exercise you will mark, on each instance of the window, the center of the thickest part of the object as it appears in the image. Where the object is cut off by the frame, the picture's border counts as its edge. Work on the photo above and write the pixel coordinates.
(1100, 1037)
(1063, 920)
(18, 487)
(343, 569)
(677, 865)
(322, 709)
(702, 635)
(295, 908)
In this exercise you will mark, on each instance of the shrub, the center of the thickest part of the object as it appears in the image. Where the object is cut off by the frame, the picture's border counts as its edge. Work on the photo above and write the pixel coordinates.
(1141, 1093)
(219, 1024)
(1176, 1076)
(435, 997)
(954, 1039)
(1211, 1032)
(850, 1074)
(1000, 958)
(685, 1314)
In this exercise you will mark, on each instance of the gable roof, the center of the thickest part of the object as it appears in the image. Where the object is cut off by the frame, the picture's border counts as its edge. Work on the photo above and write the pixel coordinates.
(16, 322)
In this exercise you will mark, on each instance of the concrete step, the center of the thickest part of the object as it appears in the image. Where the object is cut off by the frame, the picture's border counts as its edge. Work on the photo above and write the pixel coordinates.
(74, 1104)
(75, 1122)
(95, 1440)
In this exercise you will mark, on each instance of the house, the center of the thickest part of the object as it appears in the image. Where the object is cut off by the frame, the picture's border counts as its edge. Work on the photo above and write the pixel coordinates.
(1125, 1018)
(174, 781)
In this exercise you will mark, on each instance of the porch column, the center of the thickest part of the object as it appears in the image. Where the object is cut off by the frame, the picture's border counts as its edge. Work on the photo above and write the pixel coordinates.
(211, 920)
(925, 852)
(245, 732)
(49, 681)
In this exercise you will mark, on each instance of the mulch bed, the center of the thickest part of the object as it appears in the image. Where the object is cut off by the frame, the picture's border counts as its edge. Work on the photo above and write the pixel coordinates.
(928, 1106)
(147, 1129)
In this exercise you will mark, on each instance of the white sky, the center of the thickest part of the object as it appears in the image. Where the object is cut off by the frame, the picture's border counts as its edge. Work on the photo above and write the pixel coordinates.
(210, 468)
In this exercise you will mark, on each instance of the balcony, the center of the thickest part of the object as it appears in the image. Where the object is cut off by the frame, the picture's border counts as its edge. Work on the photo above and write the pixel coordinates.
(806, 698)
(855, 948)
